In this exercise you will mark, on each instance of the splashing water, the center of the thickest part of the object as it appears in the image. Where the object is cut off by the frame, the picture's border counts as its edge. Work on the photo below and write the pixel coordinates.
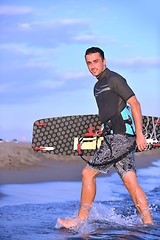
(104, 216)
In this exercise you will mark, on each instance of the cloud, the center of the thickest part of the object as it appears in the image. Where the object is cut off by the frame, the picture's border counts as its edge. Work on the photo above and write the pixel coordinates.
(136, 62)
(25, 50)
(85, 38)
(32, 81)
(75, 75)
(5, 87)
(14, 10)
(19, 27)
(43, 33)
(21, 92)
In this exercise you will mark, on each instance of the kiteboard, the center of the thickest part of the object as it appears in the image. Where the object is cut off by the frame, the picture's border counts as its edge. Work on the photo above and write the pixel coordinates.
(81, 134)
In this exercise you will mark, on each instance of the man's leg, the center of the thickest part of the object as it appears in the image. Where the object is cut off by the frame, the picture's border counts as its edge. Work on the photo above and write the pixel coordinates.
(87, 197)
(138, 196)
(88, 191)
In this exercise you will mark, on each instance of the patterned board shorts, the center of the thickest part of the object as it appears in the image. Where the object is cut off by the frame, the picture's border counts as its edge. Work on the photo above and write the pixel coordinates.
(116, 151)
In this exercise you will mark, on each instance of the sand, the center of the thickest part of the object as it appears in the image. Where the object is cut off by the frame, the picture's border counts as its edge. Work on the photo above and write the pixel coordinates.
(20, 164)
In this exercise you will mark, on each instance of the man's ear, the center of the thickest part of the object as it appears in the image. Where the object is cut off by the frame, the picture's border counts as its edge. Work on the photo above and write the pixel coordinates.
(105, 62)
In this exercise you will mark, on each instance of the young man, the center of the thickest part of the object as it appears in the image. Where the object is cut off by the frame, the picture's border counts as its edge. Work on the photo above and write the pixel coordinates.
(112, 95)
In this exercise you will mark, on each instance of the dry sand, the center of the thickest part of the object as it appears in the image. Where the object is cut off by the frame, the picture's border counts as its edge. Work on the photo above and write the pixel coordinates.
(20, 164)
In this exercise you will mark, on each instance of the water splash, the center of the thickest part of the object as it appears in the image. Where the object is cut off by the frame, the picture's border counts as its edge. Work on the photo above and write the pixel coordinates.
(104, 217)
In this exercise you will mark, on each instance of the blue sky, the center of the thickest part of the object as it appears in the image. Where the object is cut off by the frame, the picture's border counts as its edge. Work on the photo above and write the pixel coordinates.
(42, 68)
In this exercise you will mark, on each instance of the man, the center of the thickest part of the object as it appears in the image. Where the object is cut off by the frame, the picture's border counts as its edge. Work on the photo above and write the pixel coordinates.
(112, 95)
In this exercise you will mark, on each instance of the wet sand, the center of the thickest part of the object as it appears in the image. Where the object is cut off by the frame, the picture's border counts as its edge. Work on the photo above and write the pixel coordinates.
(20, 164)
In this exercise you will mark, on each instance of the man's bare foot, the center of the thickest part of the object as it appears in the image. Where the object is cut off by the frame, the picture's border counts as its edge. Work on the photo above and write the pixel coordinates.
(69, 223)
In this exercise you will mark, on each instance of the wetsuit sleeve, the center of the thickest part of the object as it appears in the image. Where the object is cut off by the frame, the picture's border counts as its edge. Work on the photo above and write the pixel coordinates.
(119, 85)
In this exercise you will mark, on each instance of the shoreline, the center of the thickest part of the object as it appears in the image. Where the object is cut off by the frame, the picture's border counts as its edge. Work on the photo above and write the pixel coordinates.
(20, 165)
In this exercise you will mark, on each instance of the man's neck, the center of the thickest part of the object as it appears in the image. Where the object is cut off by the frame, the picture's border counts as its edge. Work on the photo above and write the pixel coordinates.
(100, 76)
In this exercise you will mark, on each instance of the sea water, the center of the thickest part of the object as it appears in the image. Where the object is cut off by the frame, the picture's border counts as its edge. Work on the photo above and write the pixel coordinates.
(30, 211)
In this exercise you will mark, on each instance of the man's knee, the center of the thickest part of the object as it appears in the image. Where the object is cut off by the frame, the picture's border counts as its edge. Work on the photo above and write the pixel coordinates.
(130, 180)
(88, 173)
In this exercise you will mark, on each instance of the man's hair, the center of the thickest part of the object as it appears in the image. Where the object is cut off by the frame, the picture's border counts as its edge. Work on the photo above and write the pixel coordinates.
(95, 50)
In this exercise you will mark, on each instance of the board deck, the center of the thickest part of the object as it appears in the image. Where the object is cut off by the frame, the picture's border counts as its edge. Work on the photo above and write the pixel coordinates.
(65, 135)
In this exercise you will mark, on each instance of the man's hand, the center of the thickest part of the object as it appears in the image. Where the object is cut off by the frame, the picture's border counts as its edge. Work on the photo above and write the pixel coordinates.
(141, 142)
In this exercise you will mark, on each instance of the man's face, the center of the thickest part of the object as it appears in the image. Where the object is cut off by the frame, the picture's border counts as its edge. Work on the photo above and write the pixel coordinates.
(95, 64)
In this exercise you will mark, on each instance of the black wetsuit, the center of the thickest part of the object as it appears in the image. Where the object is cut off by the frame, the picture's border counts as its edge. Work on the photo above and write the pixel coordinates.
(112, 92)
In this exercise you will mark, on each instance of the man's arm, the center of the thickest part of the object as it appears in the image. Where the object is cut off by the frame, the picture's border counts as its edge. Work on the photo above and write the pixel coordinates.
(137, 116)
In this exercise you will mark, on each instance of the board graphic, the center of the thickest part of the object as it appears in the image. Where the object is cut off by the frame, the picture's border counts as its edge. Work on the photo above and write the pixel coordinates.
(81, 134)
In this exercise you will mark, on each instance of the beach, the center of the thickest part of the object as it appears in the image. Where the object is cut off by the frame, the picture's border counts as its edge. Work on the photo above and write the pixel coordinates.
(20, 164)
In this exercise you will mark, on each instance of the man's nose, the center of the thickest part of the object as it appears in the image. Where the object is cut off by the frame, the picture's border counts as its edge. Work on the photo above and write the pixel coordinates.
(92, 66)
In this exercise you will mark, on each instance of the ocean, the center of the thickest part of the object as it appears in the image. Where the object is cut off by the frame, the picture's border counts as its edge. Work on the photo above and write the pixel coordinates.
(30, 211)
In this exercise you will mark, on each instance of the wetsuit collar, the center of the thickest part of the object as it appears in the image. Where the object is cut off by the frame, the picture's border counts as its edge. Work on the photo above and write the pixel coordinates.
(103, 74)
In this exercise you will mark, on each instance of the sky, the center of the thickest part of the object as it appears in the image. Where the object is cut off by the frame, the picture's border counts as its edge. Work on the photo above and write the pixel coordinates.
(42, 68)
